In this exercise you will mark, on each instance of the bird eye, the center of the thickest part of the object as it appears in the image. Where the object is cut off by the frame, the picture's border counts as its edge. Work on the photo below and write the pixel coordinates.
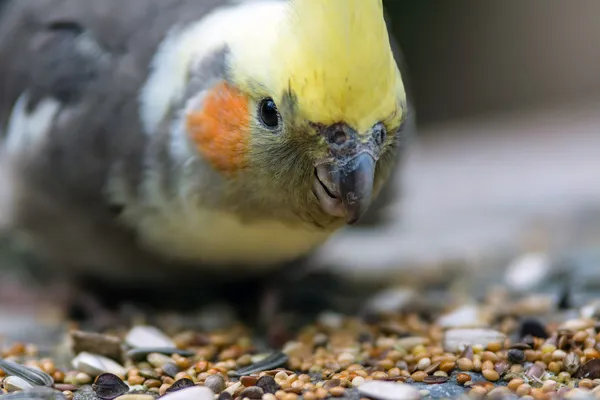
(268, 113)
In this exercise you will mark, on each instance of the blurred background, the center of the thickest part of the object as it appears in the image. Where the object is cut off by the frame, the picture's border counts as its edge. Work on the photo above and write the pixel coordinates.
(506, 161)
(502, 182)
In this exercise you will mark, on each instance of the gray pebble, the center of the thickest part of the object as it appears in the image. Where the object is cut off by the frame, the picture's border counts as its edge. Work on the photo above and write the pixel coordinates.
(267, 384)
(216, 383)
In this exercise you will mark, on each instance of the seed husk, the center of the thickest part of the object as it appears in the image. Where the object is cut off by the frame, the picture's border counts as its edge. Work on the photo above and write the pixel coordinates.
(109, 386)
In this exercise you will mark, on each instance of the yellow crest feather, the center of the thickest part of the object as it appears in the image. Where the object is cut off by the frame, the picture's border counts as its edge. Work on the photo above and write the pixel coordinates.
(336, 57)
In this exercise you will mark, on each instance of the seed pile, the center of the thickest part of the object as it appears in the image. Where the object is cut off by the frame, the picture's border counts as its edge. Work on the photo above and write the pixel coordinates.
(392, 356)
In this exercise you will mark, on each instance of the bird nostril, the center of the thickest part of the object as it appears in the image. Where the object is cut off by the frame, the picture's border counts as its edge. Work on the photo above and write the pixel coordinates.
(339, 137)
(380, 135)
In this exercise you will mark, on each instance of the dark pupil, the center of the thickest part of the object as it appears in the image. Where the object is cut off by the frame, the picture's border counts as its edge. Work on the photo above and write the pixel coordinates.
(268, 113)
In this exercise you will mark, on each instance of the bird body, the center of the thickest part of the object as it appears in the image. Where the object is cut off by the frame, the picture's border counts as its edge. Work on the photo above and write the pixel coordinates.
(200, 134)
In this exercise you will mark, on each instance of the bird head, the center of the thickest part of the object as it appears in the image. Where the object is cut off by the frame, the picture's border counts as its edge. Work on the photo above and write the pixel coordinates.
(305, 123)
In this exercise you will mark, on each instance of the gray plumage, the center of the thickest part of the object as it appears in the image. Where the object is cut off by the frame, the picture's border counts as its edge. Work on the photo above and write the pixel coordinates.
(92, 56)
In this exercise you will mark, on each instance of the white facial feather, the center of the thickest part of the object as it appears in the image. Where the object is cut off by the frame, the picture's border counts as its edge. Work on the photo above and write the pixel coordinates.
(27, 131)
(245, 27)
(175, 226)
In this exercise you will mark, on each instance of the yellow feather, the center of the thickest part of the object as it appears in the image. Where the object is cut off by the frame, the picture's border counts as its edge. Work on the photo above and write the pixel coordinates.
(336, 57)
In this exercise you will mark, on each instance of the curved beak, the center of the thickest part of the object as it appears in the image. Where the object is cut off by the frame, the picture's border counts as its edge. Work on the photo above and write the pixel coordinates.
(344, 181)
(356, 186)
(346, 189)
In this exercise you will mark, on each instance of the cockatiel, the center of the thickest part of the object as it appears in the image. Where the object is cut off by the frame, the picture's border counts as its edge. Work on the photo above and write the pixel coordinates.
(180, 141)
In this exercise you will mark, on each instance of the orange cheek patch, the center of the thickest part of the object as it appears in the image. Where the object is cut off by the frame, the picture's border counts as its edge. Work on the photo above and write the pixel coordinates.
(220, 129)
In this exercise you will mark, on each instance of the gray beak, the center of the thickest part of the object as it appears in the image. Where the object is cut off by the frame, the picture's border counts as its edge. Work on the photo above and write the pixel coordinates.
(344, 182)
(355, 182)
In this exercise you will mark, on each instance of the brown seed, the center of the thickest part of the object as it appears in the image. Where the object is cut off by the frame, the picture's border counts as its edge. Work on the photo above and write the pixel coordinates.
(489, 356)
(465, 364)
(494, 346)
(490, 375)
(321, 393)
(538, 394)
(151, 383)
(563, 342)
(385, 364)
(580, 336)
(477, 392)
(462, 378)
(163, 389)
(515, 383)
(181, 375)
(517, 368)
(249, 380)
(418, 376)
(63, 387)
(487, 365)
(337, 391)
(380, 376)
(554, 367)
(447, 366)
(586, 383)
(307, 396)
(549, 386)
(523, 390)
(290, 396)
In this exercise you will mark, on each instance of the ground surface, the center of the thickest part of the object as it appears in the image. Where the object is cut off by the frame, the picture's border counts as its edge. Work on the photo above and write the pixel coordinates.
(479, 213)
